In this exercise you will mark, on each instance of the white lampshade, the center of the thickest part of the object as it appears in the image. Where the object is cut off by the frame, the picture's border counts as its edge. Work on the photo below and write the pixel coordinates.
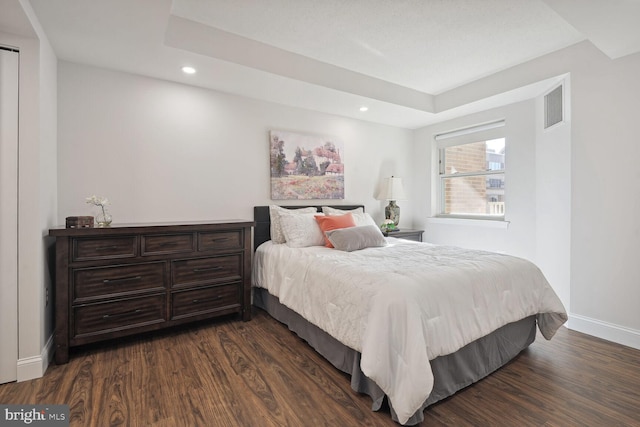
(391, 189)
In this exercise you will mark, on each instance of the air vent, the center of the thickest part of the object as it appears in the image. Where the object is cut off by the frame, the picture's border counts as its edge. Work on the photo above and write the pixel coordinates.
(553, 107)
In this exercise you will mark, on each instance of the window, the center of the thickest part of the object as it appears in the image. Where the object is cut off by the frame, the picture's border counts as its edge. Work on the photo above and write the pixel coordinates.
(472, 172)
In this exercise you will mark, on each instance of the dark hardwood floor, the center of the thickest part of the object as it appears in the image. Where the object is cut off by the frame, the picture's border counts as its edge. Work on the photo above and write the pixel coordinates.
(258, 373)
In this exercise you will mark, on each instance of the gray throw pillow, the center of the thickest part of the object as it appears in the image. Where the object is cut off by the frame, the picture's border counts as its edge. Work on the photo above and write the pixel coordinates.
(355, 238)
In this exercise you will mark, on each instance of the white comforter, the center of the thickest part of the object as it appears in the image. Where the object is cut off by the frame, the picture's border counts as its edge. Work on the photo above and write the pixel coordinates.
(407, 303)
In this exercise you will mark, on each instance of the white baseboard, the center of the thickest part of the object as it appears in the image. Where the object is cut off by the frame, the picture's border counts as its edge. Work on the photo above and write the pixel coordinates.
(607, 331)
(34, 367)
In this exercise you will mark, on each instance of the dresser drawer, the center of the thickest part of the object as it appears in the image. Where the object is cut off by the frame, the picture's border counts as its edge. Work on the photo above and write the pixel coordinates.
(205, 300)
(160, 244)
(116, 281)
(220, 240)
(103, 318)
(104, 248)
(207, 270)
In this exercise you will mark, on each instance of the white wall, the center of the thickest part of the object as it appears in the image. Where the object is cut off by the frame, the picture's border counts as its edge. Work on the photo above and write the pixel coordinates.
(519, 238)
(553, 190)
(37, 194)
(48, 182)
(163, 151)
(605, 220)
(602, 221)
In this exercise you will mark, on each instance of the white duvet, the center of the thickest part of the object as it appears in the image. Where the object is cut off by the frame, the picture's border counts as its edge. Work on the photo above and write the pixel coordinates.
(407, 303)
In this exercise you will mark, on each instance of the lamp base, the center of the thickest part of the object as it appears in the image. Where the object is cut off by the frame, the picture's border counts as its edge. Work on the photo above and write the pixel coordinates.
(392, 212)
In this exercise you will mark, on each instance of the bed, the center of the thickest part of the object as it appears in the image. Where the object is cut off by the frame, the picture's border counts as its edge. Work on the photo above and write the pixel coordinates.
(403, 320)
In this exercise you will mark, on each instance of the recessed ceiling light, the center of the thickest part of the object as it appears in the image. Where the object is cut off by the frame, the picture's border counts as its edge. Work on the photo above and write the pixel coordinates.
(363, 108)
(188, 70)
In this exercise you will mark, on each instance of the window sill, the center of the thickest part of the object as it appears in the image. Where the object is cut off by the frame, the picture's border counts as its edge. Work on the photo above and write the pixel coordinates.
(488, 223)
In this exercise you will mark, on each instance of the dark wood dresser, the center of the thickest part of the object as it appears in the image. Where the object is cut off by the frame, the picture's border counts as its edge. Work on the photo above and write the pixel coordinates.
(132, 278)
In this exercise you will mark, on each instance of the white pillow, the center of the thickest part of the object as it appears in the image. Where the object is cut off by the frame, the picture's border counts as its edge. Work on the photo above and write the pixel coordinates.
(333, 211)
(276, 228)
(359, 215)
(301, 231)
(364, 219)
(356, 238)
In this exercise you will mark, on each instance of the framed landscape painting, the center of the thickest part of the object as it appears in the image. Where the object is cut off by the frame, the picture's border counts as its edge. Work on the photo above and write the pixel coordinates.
(306, 166)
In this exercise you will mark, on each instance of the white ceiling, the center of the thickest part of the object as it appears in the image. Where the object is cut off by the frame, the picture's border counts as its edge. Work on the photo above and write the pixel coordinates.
(430, 46)
(396, 57)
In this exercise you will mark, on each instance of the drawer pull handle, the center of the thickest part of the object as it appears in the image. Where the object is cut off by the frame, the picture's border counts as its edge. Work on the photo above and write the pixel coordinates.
(106, 248)
(165, 244)
(198, 270)
(195, 301)
(122, 279)
(219, 239)
(127, 313)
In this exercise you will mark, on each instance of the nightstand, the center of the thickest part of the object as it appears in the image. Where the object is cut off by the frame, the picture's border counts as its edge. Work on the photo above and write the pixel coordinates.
(406, 233)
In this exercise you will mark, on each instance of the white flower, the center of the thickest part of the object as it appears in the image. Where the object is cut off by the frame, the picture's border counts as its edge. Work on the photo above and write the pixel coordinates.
(98, 201)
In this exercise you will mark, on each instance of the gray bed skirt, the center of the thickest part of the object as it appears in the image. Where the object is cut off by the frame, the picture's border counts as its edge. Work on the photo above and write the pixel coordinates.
(451, 373)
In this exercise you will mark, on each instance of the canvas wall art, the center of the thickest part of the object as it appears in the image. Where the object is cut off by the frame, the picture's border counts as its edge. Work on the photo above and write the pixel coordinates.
(306, 166)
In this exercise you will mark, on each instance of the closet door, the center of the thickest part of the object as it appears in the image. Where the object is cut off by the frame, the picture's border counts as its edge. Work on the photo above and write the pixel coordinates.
(8, 215)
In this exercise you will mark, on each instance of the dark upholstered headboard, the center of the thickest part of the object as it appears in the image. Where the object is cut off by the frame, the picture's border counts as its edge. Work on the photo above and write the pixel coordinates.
(262, 229)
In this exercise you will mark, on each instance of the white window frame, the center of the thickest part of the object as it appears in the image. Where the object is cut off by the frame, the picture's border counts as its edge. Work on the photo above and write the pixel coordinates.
(477, 133)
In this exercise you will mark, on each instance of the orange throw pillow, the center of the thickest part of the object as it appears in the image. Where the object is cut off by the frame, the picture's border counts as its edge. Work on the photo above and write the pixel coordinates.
(334, 222)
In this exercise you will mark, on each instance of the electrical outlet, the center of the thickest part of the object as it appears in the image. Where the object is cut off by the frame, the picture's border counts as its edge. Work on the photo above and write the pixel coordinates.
(46, 297)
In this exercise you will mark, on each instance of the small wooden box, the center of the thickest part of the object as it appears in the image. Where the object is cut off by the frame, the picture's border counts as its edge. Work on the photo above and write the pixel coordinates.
(79, 221)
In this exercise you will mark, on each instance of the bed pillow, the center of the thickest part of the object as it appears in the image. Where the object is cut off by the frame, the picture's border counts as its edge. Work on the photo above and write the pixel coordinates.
(334, 222)
(334, 211)
(275, 212)
(359, 215)
(364, 219)
(356, 238)
(302, 230)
